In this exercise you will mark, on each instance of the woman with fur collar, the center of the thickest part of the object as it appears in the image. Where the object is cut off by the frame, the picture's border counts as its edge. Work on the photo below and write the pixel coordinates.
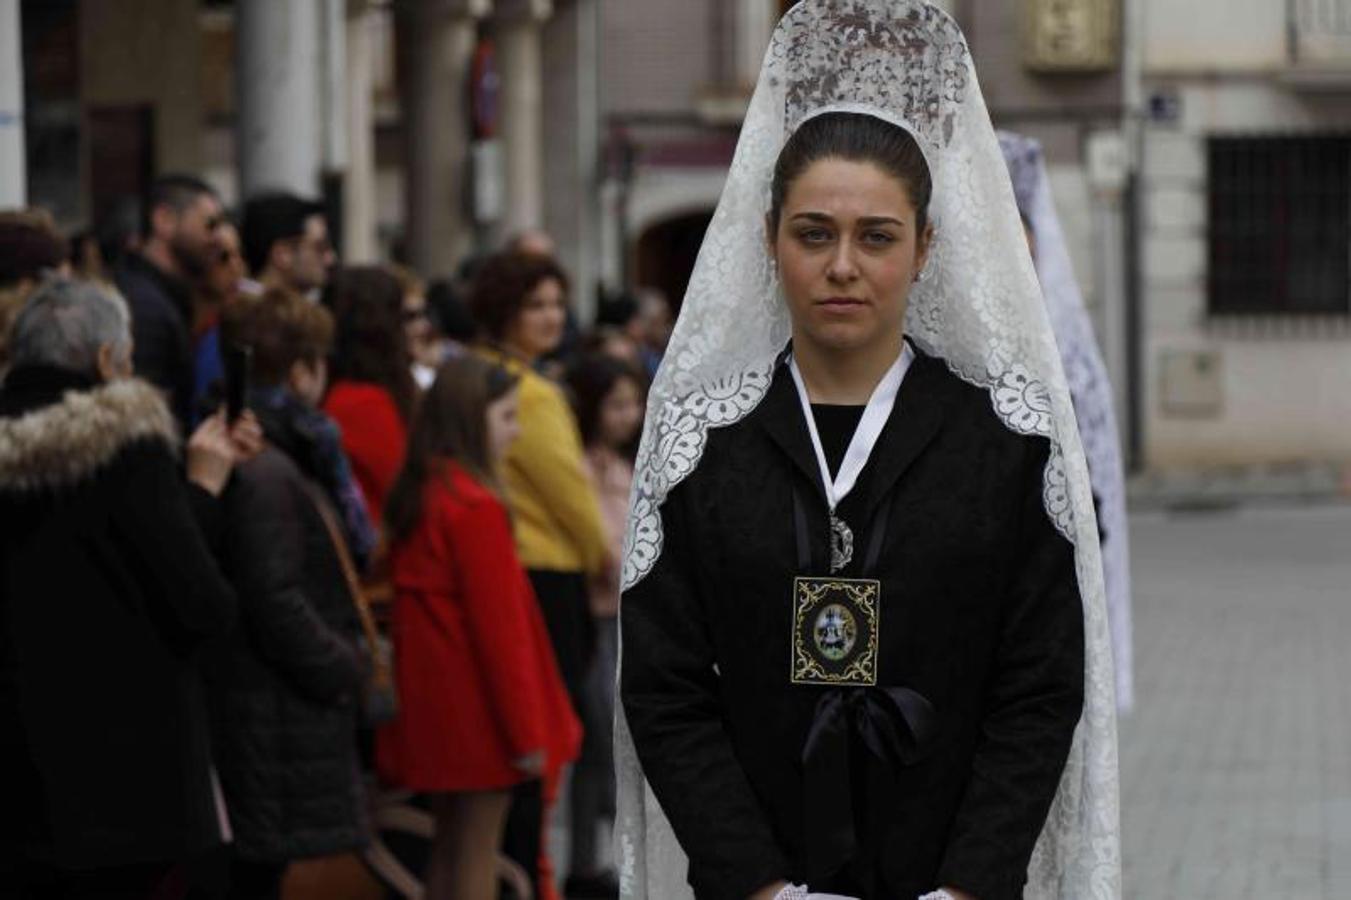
(107, 586)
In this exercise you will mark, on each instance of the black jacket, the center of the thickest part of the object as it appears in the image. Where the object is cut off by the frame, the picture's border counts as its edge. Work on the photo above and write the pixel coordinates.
(283, 690)
(107, 586)
(980, 615)
(161, 324)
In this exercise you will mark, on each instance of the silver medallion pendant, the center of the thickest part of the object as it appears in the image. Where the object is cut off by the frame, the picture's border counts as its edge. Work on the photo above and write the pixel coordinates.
(841, 544)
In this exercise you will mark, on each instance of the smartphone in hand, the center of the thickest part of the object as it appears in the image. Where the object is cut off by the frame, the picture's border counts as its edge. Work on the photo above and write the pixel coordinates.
(238, 367)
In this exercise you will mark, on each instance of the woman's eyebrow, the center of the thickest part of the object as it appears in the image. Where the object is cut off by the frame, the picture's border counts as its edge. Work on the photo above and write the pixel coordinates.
(865, 221)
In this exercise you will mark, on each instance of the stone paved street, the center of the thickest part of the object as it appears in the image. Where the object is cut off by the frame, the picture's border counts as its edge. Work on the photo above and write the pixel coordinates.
(1236, 763)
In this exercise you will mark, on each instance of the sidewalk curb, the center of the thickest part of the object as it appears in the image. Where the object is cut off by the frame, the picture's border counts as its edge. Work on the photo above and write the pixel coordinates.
(1228, 487)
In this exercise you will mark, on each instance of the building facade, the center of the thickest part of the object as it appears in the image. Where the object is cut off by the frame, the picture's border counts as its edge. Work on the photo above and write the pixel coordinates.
(1246, 150)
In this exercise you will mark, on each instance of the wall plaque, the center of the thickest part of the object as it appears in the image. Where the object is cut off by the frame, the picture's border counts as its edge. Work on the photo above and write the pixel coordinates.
(1071, 35)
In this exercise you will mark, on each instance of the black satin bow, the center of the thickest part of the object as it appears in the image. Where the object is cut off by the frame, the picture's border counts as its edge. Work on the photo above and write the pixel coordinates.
(894, 725)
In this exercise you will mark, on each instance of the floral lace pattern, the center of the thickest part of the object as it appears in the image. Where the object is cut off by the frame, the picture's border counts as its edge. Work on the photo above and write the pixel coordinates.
(1023, 402)
(680, 432)
(1090, 389)
(979, 309)
(913, 65)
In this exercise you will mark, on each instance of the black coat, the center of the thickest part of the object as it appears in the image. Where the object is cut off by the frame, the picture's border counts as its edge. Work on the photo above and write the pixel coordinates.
(283, 690)
(980, 615)
(161, 323)
(107, 586)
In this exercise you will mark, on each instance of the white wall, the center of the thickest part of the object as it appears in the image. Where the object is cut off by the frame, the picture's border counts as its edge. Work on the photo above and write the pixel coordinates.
(1281, 398)
(13, 165)
(1284, 401)
(1248, 105)
(1213, 35)
(1074, 207)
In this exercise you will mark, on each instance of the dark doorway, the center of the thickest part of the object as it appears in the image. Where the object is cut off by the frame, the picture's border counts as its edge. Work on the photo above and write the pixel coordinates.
(666, 254)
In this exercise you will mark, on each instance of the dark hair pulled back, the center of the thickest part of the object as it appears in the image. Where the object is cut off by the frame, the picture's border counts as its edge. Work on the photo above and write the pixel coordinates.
(857, 138)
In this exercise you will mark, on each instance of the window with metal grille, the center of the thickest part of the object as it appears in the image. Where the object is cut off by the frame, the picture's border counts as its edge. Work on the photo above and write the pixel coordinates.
(1280, 226)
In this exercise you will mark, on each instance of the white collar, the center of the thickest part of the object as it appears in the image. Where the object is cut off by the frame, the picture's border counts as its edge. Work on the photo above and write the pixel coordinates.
(869, 429)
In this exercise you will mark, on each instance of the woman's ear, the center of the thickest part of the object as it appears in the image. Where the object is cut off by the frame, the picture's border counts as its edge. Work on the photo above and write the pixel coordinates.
(922, 246)
(163, 221)
(106, 363)
(112, 364)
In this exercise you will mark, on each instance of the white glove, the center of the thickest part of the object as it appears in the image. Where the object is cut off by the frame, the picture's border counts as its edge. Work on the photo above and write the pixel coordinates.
(800, 892)
(937, 895)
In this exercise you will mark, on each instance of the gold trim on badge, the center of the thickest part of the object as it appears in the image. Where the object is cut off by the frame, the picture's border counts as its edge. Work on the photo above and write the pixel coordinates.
(836, 630)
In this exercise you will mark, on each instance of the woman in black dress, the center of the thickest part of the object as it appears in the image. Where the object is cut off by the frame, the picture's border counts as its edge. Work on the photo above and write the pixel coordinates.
(864, 644)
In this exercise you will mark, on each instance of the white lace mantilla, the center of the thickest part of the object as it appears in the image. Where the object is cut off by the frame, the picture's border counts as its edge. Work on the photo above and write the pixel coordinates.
(979, 309)
(1090, 389)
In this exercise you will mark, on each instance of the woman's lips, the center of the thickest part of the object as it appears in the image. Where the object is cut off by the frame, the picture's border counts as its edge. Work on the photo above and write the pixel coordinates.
(841, 304)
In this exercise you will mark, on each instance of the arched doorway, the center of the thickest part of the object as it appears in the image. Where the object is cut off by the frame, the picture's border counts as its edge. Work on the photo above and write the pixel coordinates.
(666, 252)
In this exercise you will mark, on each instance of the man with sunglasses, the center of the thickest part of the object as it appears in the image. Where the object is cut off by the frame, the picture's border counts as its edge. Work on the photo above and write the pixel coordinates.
(225, 274)
(181, 216)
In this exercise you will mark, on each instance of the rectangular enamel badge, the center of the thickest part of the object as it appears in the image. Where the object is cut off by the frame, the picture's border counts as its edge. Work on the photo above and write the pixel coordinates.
(836, 624)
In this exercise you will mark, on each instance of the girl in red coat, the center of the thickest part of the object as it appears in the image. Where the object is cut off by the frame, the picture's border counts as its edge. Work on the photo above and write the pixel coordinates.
(482, 706)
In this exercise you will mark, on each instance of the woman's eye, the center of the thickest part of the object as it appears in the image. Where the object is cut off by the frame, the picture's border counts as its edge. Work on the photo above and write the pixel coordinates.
(878, 238)
(814, 235)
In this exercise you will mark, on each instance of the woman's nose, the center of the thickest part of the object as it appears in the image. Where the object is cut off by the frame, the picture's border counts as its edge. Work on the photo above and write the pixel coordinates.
(842, 265)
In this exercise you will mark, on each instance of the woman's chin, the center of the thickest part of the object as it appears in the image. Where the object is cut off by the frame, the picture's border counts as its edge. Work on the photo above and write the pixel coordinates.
(546, 344)
(842, 337)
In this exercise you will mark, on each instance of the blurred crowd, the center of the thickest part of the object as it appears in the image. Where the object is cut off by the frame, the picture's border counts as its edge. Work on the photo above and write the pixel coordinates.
(303, 564)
